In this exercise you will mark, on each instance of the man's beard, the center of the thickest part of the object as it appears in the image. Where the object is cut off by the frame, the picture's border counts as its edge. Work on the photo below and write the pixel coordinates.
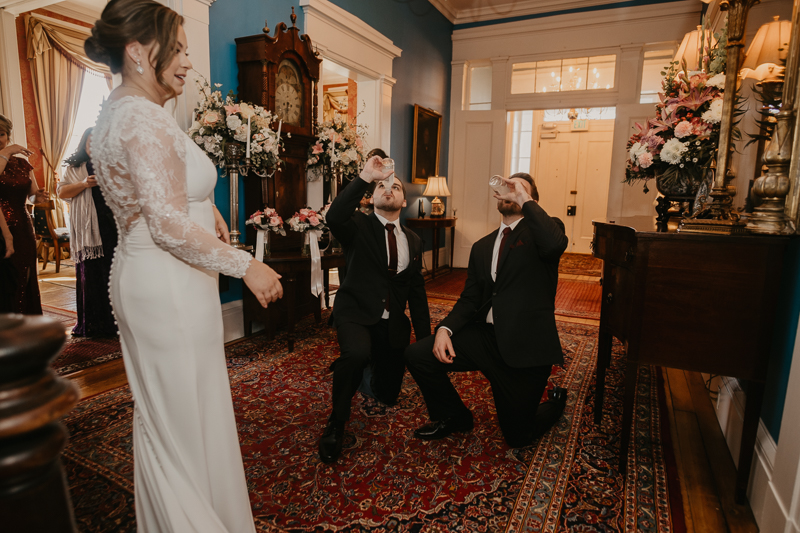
(508, 208)
(384, 204)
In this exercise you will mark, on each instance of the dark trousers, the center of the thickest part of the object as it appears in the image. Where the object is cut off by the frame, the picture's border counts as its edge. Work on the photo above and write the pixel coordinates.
(362, 346)
(516, 391)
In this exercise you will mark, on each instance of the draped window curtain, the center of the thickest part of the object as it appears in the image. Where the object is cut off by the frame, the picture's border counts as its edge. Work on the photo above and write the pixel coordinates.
(58, 64)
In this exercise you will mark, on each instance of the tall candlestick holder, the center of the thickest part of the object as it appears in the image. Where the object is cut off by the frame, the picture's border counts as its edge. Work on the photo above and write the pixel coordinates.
(233, 157)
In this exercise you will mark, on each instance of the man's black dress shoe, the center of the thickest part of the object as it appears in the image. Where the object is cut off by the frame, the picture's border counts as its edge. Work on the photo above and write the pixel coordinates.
(442, 428)
(330, 444)
(557, 394)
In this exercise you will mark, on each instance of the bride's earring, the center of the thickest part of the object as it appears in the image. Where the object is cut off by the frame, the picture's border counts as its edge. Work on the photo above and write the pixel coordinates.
(139, 68)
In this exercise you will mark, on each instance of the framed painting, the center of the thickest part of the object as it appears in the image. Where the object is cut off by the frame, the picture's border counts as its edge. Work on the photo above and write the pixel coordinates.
(426, 144)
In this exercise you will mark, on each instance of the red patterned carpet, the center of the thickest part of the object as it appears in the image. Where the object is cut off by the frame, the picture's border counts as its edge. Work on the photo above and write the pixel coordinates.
(579, 299)
(388, 481)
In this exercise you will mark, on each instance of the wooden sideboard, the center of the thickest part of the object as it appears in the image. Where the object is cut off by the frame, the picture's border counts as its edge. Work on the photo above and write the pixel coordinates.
(435, 224)
(704, 303)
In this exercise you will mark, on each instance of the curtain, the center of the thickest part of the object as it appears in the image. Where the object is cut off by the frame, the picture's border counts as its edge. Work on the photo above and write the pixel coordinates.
(58, 64)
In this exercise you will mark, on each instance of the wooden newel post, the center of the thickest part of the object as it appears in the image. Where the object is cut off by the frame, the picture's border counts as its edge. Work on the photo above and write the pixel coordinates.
(33, 488)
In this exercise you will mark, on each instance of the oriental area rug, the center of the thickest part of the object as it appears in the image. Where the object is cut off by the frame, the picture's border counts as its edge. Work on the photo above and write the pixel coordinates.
(388, 481)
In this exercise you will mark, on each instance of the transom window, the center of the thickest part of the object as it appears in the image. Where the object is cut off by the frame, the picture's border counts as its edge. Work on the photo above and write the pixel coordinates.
(559, 75)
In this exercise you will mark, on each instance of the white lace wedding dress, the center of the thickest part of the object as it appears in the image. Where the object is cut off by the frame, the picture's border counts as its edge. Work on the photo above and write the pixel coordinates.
(188, 472)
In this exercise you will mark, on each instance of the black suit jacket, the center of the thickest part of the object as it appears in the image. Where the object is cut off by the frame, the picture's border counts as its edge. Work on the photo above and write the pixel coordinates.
(522, 298)
(361, 298)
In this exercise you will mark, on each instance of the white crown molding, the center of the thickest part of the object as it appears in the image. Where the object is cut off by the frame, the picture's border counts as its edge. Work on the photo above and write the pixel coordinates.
(207, 2)
(445, 9)
(76, 11)
(579, 21)
(521, 9)
(350, 25)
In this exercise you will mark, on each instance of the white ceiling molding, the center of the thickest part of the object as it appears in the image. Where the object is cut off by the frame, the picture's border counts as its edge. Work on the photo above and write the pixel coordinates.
(520, 9)
(15, 7)
(76, 11)
(581, 21)
(349, 40)
(446, 9)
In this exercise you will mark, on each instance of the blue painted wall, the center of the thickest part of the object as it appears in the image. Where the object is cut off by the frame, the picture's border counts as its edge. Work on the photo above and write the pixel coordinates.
(787, 314)
(422, 72)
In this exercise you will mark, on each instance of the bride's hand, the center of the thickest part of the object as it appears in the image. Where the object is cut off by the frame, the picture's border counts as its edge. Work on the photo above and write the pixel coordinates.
(263, 282)
(221, 226)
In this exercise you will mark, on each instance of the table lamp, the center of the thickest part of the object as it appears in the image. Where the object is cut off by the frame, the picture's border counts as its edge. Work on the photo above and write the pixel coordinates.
(437, 186)
(766, 57)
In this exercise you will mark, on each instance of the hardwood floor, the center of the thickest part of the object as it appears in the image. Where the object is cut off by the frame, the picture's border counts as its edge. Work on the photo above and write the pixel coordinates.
(705, 467)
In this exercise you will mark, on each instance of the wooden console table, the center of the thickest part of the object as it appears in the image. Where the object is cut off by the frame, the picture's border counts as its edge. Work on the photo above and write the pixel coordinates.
(704, 303)
(436, 224)
(288, 265)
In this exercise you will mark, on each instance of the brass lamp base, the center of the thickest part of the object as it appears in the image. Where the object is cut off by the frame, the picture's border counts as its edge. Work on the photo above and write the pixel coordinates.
(437, 207)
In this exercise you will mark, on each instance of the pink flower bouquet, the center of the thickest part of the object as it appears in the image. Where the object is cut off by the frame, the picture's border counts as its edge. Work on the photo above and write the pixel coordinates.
(268, 220)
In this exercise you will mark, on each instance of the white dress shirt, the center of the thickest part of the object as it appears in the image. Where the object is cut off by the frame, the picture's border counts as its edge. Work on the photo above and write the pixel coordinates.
(496, 258)
(402, 247)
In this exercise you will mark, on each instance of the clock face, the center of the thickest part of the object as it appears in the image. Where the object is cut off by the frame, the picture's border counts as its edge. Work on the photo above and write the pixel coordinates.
(289, 93)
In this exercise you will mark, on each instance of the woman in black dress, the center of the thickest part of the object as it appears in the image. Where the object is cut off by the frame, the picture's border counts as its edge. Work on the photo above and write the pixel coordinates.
(93, 237)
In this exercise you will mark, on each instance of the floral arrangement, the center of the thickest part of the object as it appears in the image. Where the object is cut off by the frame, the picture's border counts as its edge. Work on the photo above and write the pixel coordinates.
(338, 143)
(218, 121)
(680, 143)
(268, 220)
(307, 219)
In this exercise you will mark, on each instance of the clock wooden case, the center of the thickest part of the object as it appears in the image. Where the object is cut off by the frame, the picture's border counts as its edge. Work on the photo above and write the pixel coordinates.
(281, 73)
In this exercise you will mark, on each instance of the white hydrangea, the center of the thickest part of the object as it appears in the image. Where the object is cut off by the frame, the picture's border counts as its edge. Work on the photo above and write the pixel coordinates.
(717, 81)
(233, 122)
(714, 113)
(636, 150)
(241, 133)
(672, 151)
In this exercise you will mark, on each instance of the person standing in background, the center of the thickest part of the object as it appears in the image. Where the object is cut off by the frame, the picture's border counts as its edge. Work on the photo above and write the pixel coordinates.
(92, 237)
(17, 184)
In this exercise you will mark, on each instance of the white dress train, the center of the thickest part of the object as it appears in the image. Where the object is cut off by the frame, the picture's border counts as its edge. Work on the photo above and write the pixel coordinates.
(188, 472)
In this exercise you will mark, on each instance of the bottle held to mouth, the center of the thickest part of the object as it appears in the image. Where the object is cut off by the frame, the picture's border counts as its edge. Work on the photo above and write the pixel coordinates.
(498, 185)
(388, 165)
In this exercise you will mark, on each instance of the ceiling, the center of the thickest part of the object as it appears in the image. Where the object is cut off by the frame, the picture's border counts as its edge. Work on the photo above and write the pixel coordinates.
(457, 11)
(467, 11)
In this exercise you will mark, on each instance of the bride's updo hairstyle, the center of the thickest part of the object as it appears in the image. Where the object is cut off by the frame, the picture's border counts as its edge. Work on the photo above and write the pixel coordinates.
(127, 21)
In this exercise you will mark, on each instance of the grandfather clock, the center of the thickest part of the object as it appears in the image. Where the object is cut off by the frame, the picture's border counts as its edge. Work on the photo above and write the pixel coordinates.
(281, 73)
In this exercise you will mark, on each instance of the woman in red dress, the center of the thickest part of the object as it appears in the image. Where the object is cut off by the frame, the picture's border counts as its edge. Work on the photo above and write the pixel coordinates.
(16, 185)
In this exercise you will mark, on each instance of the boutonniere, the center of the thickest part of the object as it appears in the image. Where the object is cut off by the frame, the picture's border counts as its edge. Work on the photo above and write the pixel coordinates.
(416, 258)
(519, 243)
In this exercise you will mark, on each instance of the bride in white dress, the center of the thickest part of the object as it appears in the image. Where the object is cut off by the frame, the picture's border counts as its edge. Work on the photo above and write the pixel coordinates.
(188, 472)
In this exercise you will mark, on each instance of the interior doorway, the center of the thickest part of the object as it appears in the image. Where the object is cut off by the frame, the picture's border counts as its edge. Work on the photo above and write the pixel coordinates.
(569, 157)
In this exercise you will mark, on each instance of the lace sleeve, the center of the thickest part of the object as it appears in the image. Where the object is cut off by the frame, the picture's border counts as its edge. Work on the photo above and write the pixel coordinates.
(156, 162)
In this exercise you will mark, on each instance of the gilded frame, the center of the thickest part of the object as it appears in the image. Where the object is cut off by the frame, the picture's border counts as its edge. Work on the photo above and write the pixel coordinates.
(426, 145)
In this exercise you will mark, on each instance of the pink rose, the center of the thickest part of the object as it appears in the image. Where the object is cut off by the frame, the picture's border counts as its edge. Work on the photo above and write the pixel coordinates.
(210, 118)
(313, 220)
(317, 149)
(305, 211)
(683, 129)
(275, 221)
(645, 160)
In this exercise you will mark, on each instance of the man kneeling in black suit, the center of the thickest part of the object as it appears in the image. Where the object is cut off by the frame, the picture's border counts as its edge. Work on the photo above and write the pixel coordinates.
(383, 274)
(502, 325)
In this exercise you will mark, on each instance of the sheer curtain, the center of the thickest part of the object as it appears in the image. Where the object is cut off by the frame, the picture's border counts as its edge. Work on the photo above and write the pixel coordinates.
(58, 64)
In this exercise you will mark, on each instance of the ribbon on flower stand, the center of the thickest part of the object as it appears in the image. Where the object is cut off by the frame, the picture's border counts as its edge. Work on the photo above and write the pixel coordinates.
(316, 262)
(261, 238)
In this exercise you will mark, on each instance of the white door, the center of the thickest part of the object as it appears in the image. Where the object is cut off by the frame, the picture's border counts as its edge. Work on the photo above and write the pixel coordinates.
(478, 154)
(572, 175)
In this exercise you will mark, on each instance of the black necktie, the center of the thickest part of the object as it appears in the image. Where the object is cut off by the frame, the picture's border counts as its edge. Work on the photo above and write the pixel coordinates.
(506, 232)
(392, 256)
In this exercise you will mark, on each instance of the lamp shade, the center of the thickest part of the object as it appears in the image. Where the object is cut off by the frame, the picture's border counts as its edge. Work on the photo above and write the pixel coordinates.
(767, 53)
(691, 46)
(437, 186)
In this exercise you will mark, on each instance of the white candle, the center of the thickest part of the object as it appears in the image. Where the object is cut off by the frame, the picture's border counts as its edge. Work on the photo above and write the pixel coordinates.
(279, 129)
(248, 138)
